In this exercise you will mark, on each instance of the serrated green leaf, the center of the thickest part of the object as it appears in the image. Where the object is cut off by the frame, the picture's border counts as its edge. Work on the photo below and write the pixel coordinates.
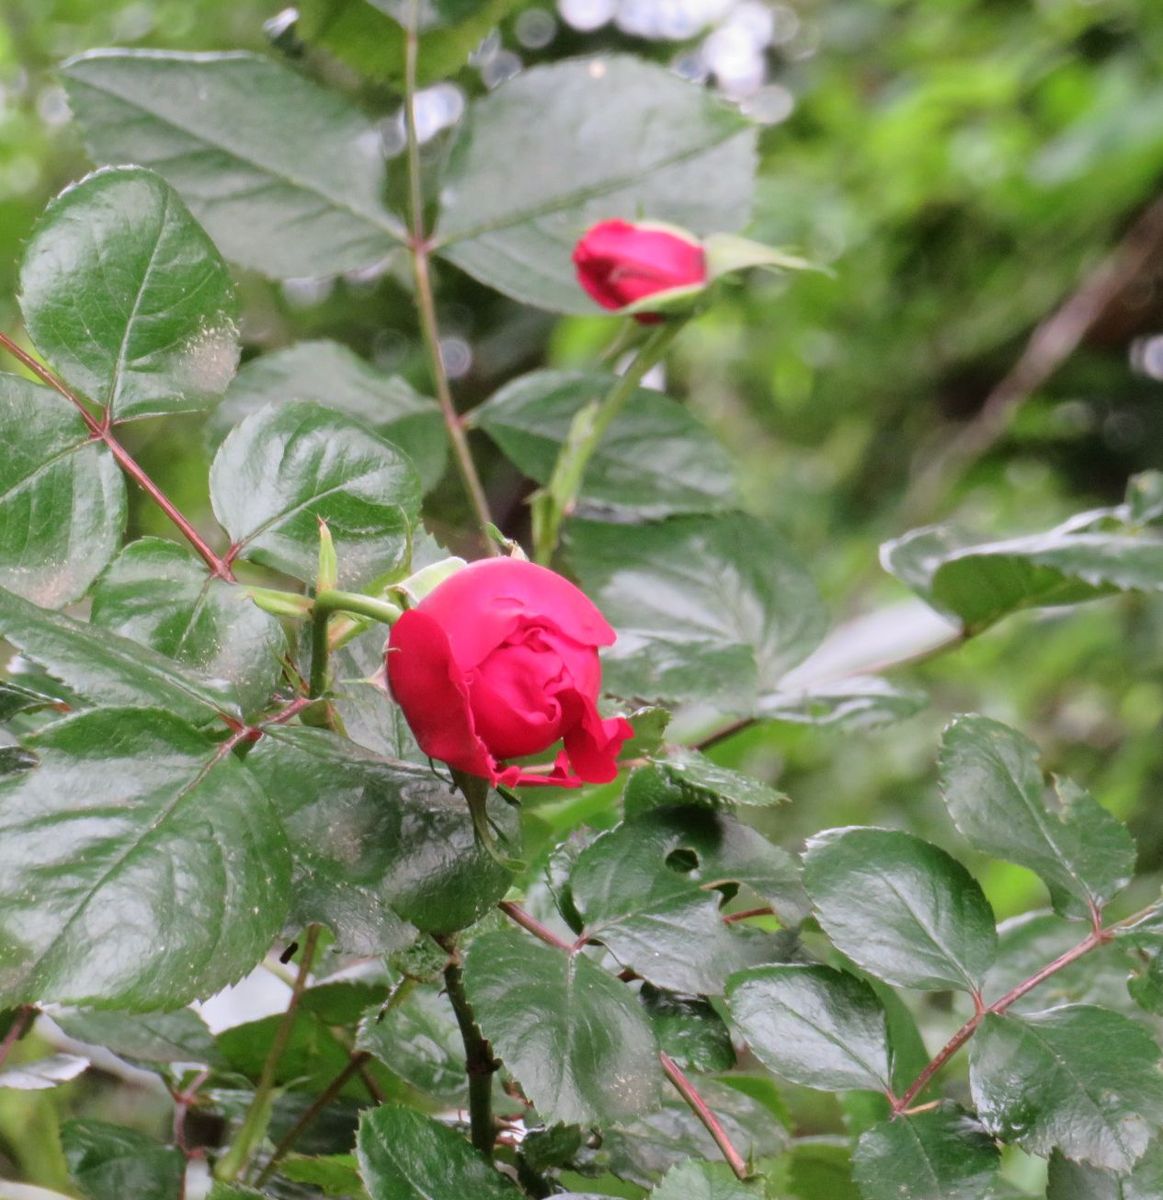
(112, 1163)
(1079, 1079)
(140, 867)
(544, 1149)
(161, 595)
(62, 497)
(405, 1155)
(705, 1181)
(901, 908)
(812, 1025)
(286, 176)
(161, 1037)
(44, 1073)
(109, 669)
(656, 458)
(333, 1174)
(329, 374)
(344, 1001)
(939, 1155)
(708, 608)
(376, 842)
(1079, 1181)
(570, 1033)
(686, 776)
(313, 1057)
(995, 792)
(419, 1041)
(689, 1030)
(126, 295)
(858, 702)
(15, 698)
(287, 467)
(614, 137)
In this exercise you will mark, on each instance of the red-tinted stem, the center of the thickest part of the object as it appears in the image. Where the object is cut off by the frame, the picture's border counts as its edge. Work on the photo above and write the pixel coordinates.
(710, 1122)
(102, 431)
(516, 913)
(19, 1027)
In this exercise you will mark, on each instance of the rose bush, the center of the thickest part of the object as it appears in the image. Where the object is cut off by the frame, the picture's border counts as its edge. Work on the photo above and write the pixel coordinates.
(501, 661)
(619, 263)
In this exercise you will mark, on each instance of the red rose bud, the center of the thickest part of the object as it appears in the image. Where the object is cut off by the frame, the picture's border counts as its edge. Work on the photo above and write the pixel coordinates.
(501, 661)
(621, 264)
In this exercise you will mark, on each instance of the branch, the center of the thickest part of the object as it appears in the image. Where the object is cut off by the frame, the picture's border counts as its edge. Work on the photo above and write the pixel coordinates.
(419, 249)
(480, 1063)
(711, 1123)
(102, 431)
(516, 913)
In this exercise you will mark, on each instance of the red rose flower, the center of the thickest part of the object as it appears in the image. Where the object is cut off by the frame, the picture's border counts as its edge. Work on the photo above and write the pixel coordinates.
(619, 263)
(500, 661)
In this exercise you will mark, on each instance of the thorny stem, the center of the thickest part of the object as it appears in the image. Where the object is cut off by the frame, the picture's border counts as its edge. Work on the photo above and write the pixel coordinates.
(527, 921)
(710, 1122)
(479, 1061)
(102, 431)
(258, 1115)
(24, 1017)
(418, 247)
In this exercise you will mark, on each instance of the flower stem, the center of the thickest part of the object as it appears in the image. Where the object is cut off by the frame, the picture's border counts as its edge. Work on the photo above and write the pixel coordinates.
(478, 1055)
(553, 502)
(383, 611)
(418, 247)
(258, 1116)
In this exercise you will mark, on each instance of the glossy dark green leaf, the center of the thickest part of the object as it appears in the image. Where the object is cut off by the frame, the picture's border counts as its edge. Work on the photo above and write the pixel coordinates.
(705, 1181)
(286, 176)
(287, 467)
(553, 1146)
(44, 1073)
(161, 1037)
(1079, 1079)
(1079, 1181)
(708, 608)
(329, 374)
(344, 1001)
(376, 842)
(160, 594)
(812, 1025)
(689, 1030)
(124, 293)
(943, 1154)
(110, 669)
(816, 1167)
(571, 1034)
(614, 137)
(313, 1057)
(15, 698)
(655, 459)
(332, 1174)
(405, 1155)
(140, 867)
(858, 702)
(62, 497)
(419, 1041)
(995, 792)
(685, 776)
(369, 715)
(901, 908)
(110, 1162)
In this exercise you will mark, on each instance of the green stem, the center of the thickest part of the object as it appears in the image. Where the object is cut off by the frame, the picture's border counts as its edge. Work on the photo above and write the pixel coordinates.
(558, 497)
(317, 683)
(479, 1061)
(418, 247)
(258, 1116)
(383, 611)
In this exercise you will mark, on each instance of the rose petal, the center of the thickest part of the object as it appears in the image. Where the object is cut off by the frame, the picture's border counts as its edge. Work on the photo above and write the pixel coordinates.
(513, 697)
(481, 606)
(428, 685)
(592, 743)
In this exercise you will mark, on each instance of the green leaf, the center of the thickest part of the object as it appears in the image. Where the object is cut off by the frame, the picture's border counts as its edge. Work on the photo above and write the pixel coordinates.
(419, 1041)
(161, 1037)
(286, 176)
(44, 1073)
(405, 1155)
(287, 467)
(15, 698)
(128, 298)
(112, 1163)
(160, 594)
(109, 669)
(939, 1155)
(329, 374)
(313, 1057)
(705, 1181)
(656, 458)
(1079, 1079)
(333, 1174)
(571, 1034)
(553, 1146)
(689, 1030)
(688, 777)
(995, 792)
(708, 608)
(62, 497)
(377, 842)
(858, 702)
(369, 715)
(981, 583)
(900, 908)
(812, 1025)
(614, 137)
(1078, 1181)
(140, 867)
